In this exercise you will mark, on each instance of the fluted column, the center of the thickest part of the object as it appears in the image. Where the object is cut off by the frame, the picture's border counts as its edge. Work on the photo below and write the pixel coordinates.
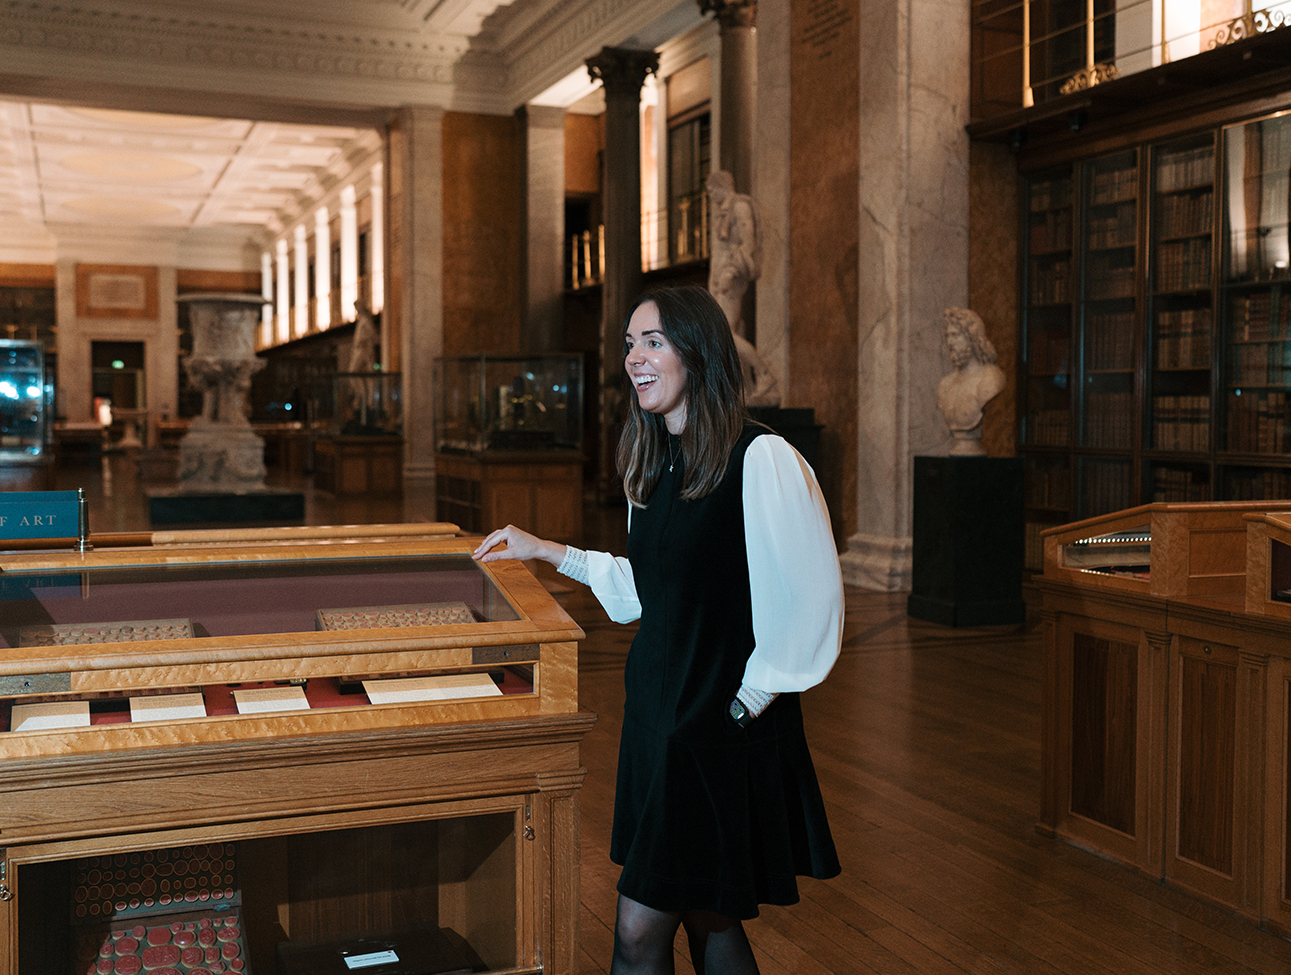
(622, 72)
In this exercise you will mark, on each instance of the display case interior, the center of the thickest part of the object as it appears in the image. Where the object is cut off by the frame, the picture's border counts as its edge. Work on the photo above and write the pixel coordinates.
(510, 403)
(368, 404)
(25, 399)
(441, 890)
(1161, 549)
(184, 638)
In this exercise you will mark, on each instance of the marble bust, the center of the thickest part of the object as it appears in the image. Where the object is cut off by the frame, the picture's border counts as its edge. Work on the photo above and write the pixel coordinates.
(975, 380)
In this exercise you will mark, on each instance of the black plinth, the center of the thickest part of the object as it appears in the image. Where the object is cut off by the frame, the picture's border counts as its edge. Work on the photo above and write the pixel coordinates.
(968, 541)
(797, 425)
(193, 508)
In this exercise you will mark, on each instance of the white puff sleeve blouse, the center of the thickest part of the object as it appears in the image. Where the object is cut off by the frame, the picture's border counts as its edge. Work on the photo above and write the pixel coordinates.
(794, 577)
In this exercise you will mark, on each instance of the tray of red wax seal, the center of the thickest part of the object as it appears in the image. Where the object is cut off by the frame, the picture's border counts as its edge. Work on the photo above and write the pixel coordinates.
(170, 911)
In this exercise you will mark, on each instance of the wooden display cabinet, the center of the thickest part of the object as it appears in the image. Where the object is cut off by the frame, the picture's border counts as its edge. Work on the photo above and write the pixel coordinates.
(1168, 696)
(349, 817)
(541, 491)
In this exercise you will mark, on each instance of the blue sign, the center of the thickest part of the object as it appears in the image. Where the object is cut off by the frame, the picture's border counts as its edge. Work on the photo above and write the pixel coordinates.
(39, 514)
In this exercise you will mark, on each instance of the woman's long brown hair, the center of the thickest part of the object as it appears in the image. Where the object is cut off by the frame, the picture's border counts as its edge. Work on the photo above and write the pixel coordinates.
(696, 327)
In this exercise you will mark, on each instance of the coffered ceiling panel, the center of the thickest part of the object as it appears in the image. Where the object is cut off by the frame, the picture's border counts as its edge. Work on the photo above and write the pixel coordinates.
(62, 164)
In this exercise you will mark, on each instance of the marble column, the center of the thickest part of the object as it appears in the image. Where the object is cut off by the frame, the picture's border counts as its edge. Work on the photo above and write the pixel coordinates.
(622, 72)
(737, 20)
(349, 253)
(913, 262)
(377, 247)
(266, 292)
(545, 199)
(771, 186)
(322, 268)
(739, 86)
(284, 292)
(300, 310)
(416, 265)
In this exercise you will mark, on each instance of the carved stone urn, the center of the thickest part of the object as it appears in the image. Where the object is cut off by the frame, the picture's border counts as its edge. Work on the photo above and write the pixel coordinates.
(220, 452)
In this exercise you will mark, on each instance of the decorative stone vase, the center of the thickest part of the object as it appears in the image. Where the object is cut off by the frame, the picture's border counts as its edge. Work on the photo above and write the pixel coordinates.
(221, 452)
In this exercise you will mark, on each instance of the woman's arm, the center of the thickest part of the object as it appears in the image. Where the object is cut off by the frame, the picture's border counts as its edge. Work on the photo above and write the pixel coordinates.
(610, 578)
(794, 577)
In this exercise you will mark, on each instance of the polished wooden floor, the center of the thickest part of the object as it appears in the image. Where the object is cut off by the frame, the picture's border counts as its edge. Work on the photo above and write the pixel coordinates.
(926, 742)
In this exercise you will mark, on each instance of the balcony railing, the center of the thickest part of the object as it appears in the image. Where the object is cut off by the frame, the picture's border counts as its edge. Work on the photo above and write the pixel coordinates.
(1032, 51)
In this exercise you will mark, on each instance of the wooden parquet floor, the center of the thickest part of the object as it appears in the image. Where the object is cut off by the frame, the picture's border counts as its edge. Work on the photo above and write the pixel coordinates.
(926, 743)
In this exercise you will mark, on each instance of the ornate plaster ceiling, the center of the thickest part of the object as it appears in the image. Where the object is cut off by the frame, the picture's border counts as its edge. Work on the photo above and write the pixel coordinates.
(139, 112)
(123, 168)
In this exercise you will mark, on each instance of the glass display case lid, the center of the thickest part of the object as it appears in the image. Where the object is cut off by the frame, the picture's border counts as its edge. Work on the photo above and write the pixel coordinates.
(116, 604)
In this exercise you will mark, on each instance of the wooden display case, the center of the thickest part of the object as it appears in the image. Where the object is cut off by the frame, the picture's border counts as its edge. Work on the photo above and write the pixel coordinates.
(1167, 696)
(351, 817)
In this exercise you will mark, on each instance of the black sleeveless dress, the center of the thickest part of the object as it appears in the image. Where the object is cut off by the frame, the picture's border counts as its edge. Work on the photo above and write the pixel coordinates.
(707, 815)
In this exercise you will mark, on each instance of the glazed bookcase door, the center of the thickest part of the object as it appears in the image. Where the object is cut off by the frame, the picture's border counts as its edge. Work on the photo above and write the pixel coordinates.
(1255, 363)
(1108, 314)
(1049, 276)
(1181, 321)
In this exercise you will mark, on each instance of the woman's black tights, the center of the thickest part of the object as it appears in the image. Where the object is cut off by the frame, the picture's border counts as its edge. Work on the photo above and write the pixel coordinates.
(643, 940)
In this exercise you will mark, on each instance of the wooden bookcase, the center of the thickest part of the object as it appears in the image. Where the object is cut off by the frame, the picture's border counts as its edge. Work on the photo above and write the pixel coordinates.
(1156, 320)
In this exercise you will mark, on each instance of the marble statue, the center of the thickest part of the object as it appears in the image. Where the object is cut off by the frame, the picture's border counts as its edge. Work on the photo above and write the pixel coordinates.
(734, 262)
(976, 379)
(363, 351)
(220, 451)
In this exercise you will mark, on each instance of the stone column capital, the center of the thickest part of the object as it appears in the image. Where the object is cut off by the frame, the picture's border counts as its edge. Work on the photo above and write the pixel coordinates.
(731, 13)
(622, 70)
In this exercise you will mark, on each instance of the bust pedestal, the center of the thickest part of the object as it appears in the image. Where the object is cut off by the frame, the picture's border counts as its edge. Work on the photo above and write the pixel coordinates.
(968, 541)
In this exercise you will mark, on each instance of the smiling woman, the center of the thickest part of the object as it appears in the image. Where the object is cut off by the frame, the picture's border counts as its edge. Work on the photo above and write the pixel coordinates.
(732, 572)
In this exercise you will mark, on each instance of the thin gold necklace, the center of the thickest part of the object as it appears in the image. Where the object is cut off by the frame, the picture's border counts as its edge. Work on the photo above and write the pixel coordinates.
(671, 457)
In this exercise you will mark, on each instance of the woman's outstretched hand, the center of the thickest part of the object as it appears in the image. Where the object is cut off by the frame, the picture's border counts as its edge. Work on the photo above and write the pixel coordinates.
(519, 545)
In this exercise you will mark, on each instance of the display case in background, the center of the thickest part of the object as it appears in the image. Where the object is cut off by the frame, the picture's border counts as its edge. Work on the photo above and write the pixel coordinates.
(509, 403)
(358, 446)
(1168, 696)
(509, 439)
(418, 781)
(26, 417)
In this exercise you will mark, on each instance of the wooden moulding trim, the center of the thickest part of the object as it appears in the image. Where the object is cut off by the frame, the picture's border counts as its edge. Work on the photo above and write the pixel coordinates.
(282, 817)
(200, 731)
(211, 550)
(199, 658)
(204, 758)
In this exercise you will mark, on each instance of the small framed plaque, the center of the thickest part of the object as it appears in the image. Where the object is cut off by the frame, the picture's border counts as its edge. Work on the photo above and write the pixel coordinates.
(116, 291)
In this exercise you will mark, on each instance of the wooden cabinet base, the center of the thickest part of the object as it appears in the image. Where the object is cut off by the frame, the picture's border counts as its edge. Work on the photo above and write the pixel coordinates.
(359, 465)
(471, 828)
(539, 491)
